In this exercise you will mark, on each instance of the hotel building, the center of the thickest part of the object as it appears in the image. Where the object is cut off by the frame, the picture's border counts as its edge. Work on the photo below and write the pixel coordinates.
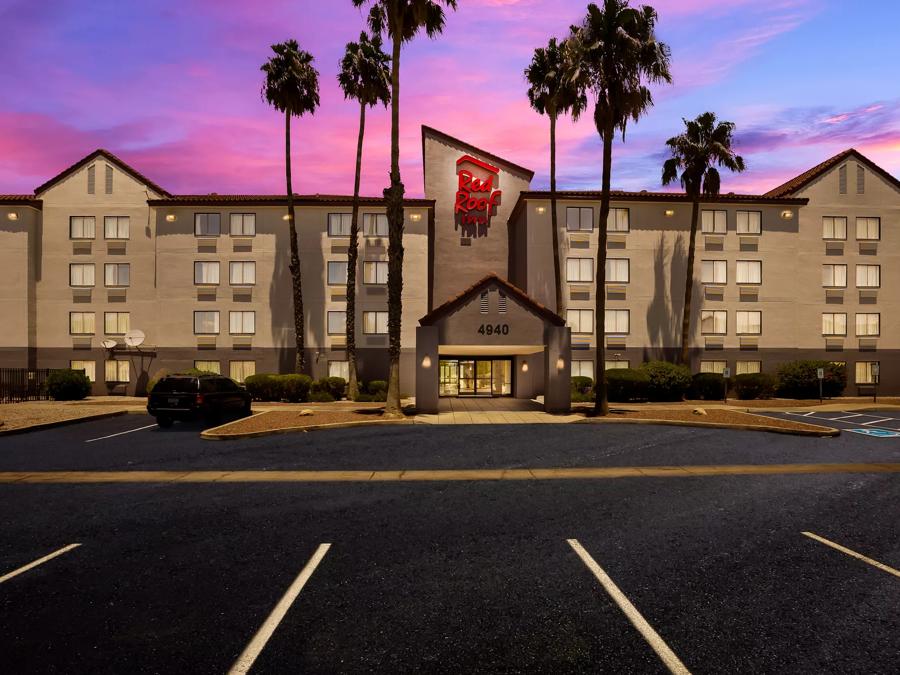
(802, 271)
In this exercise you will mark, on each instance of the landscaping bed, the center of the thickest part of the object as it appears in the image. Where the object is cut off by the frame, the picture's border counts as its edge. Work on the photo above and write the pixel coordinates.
(280, 421)
(716, 417)
(15, 416)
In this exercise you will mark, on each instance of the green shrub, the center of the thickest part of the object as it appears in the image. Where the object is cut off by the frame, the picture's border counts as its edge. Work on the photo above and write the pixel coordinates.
(293, 388)
(376, 386)
(320, 396)
(68, 385)
(627, 384)
(668, 382)
(707, 387)
(262, 387)
(751, 386)
(798, 379)
(582, 385)
(337, 387)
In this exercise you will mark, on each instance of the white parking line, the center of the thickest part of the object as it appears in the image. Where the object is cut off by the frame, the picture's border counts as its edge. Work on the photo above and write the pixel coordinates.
(39, 561)
(833, 419)
(853, 554)
(247, 658)
(886, 419)
(121, 433)
(672, 662)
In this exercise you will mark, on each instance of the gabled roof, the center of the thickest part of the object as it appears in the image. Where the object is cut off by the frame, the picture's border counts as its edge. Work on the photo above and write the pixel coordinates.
(468, 294)
(468, 147)
(799, 182)
(109, 157)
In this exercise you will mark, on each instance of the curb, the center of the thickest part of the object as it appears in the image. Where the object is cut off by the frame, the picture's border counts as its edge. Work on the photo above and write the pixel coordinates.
(62, 423)
(215, 435)
(826, 432)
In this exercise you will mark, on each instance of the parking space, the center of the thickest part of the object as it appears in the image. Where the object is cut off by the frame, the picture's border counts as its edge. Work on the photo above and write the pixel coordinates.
(867, 423)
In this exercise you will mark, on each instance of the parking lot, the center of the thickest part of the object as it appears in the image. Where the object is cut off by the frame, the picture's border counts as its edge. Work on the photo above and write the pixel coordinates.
(873, 424)
(788, 572)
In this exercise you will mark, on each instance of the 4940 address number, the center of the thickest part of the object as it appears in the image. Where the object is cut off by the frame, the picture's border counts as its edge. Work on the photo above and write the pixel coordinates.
(494, 329)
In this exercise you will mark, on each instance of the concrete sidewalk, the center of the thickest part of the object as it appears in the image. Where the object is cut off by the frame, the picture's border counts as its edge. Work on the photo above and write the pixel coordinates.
(486, 410)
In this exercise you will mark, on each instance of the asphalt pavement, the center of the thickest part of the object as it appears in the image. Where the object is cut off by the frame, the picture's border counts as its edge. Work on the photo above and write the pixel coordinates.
(467, 576)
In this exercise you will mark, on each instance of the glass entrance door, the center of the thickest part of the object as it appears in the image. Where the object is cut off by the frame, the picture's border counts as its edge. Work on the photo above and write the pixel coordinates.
(467, 378)
(475, 377)
(483, 378)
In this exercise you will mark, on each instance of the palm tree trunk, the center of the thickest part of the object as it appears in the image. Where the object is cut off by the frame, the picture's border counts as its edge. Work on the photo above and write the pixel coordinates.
(352, 257)
(560, 310)
(601, 404)
(394, 203)
(685, 356)
(300, 358)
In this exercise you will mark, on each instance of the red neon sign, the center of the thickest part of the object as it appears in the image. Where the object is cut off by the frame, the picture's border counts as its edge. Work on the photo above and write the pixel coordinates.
(476, 198)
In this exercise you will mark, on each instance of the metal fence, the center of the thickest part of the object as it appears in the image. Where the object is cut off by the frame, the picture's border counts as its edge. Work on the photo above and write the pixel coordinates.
(23, 384)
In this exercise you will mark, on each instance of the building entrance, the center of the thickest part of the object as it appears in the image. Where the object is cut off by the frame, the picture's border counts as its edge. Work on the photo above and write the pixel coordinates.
(475, 377)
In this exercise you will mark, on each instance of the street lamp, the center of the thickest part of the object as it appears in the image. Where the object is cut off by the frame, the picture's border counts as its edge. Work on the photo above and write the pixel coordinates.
(876, 373)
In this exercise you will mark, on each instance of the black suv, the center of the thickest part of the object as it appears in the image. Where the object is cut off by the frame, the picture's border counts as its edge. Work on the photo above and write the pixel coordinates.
(184, 397)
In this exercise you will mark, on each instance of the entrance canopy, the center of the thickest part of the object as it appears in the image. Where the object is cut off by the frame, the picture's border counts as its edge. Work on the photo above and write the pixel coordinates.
(492, 340)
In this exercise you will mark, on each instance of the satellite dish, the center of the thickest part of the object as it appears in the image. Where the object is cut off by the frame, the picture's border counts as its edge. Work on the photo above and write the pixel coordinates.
(134, 338)
(109, 344)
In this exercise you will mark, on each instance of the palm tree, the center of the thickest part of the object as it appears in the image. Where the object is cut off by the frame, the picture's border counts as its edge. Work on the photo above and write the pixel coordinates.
(553, 91)
(695, 155)
(292, 87)
(617, 46)
(366, 77)
(400, 20)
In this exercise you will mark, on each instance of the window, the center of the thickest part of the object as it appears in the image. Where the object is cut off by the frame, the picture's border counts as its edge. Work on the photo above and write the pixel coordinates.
(834, 323)
(117, 274)
(91, 179)
(860, 180)
(747, 367)
(375, 272)
(749, 222)
(868, 228)
(580, 320)
(89, 368)
(865, 372)
(868, 276)
(208, 367)
(868, 325)
(714, 222)
(339, 224)
(617, 221)
(717, 367)
(616, 365)
(749, 271)
(81, 323)
(713, 322)
(82, 227)
(580, 269)
(242, 323)
(579, 218)
(206, 273)
(375, 323)
(749, 323)
(241, 370)
(242, 273)
(375, 225)
(618, 322)
(81, 274)
(583, 369)
(834, 227)
(243, 225)
(109, 179)
(714, 272)
(207, 224)
(116, 227)
(842, 180)
(339, 369)
(206, 323)
(337, 272)
(834, 276)
(116, 323)
(337, 323)
(617, 270)
(118, 371)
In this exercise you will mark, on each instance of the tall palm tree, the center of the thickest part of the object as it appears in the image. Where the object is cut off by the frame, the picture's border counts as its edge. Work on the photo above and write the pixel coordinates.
(400, 20)
(292, 87)
(704, 145)
(617, 46)
(365, 76)
(554, 91)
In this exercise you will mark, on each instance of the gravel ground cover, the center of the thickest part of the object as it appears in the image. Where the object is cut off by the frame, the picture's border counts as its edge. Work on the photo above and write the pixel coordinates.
(279, 420)
(715, 416)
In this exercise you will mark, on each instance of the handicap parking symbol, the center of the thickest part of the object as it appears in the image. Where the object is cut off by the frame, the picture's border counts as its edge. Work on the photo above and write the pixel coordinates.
(877, 433)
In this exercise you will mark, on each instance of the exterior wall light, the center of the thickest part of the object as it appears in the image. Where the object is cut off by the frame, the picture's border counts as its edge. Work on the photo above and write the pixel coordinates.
(670, 213)
(171, 218)
(787, 214)
(524, 366)
(541, 209)
(286, 216)
(415, 217)
(12, 215)
(560, 363)
(426, 362)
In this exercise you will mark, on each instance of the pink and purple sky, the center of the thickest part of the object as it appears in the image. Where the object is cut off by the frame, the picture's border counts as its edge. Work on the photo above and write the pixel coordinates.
(172, 87)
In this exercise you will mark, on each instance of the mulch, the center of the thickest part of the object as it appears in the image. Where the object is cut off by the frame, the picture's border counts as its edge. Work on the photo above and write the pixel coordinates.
(275, 420)
(714, 416)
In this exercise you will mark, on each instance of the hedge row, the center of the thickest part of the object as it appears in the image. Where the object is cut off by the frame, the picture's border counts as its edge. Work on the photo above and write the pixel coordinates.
(294, 388)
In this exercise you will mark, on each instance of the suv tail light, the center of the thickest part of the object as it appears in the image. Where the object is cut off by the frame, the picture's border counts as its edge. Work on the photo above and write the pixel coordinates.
(199, 399)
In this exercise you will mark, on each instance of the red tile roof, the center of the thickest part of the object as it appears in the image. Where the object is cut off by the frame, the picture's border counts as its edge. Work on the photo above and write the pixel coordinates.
(215, 199)
(108, 156)
(462, 298)
(20, 200)
(799, 182)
